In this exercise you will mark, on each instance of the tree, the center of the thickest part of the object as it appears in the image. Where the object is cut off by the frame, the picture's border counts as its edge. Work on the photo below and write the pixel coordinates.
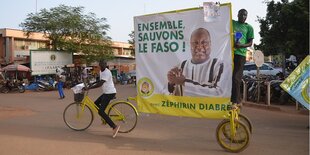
(68, 29)
(132, 41)
(285, 29)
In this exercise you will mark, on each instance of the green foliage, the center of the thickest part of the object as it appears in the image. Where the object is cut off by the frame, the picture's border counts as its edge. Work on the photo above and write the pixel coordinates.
(285, 29)
(70, 30)
(132, 41)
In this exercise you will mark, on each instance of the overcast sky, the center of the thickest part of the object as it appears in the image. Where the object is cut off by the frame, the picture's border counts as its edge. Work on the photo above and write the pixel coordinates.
(120, 13)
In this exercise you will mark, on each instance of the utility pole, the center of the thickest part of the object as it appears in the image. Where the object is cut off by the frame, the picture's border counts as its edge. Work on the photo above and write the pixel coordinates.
(36, 6)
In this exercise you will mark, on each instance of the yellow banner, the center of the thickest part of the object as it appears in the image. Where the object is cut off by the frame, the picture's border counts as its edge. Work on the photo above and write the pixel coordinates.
(199, 107)
(297, 84)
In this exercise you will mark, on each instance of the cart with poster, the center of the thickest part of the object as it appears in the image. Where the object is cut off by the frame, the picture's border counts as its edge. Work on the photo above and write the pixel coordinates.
(184, 68)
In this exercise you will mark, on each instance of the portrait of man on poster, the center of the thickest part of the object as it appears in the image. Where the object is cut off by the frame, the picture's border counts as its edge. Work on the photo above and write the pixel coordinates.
(201, 75)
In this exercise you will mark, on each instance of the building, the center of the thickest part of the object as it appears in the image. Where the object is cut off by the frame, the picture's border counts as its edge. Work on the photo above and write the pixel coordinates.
(15, 45)
(124, 58)
(15, 48)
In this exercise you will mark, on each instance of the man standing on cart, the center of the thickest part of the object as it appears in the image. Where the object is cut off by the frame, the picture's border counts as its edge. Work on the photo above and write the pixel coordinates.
(240, 50)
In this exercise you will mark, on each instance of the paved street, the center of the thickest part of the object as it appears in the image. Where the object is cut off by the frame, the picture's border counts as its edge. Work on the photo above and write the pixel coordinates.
(31, 124)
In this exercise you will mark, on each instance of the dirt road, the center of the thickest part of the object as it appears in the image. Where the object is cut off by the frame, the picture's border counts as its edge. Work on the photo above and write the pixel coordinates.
(31, 124)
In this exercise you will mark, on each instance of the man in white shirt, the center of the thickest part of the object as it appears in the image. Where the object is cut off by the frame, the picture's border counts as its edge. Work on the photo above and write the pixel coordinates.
(201, 75)
(108, 93)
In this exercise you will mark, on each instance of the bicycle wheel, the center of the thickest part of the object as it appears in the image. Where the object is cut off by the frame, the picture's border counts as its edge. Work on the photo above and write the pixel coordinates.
(235, 142)
(78, 117)
(123, 114)
(246, 121)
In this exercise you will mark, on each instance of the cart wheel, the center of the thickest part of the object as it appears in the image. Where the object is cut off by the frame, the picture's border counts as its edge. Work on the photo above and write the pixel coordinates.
(246, 121)
(233, 142)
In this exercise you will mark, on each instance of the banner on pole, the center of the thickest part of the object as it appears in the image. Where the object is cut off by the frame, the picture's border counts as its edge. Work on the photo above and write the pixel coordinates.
(184, 64)
(297, 84)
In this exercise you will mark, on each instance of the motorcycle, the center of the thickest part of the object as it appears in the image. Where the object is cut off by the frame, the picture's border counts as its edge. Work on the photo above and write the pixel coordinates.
(46, 85)
(13, 85)
(32, 86)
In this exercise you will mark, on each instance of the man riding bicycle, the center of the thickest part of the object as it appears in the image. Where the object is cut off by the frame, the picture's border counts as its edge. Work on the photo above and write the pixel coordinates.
(108, 93)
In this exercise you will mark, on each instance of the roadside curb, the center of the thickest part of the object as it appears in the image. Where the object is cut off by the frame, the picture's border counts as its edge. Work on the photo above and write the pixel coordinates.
(261, 106)
(276, 108)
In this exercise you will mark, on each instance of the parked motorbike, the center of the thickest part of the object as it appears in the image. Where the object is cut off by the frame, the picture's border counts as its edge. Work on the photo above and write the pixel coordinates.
(2, 84)
(32, 86)
(277, 94)
(12, 85)
(46, 85)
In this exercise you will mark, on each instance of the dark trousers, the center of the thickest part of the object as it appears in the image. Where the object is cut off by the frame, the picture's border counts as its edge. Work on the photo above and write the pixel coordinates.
(102, 102)
(239, 62)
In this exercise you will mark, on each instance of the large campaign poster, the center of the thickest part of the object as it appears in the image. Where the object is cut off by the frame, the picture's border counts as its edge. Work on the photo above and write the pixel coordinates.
(184, 62)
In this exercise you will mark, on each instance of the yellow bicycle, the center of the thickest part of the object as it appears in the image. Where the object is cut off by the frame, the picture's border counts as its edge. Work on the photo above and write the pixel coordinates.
(233, 134)
(79, 115)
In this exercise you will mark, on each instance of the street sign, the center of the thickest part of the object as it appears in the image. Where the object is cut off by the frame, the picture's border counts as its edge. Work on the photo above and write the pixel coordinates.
(258, 57)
